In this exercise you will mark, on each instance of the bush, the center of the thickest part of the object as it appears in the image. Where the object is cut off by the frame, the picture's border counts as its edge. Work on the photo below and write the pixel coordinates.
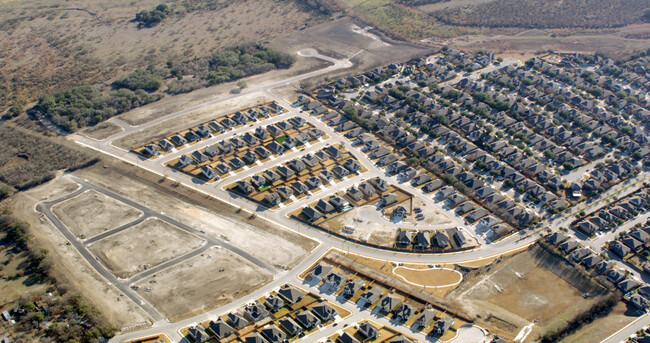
(146, 80)
(85, 105)
(42, 157)
(153, 17)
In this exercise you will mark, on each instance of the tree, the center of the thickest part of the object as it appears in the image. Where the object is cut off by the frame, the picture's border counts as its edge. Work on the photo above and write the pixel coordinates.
(242, 84)
(13, 112)
(646, 15)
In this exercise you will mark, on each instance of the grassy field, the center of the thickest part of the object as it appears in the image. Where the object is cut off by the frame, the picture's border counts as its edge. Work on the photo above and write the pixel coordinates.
(57, 44)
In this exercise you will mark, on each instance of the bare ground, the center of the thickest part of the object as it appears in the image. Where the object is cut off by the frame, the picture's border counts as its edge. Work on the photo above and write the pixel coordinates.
(204, 213)
(212, 279)
(519, 291)
(70, 269)
(91, 213)
(429, 277)
(143, 246)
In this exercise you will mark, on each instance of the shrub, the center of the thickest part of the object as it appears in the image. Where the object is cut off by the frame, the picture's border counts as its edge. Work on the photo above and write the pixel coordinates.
(153, 17)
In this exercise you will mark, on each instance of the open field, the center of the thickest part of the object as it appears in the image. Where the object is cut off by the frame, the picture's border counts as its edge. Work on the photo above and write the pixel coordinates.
(602, 327)
(70, 269)
(214, 278)
(57, 44)
(101, 130)
(29, 159)
(521, 289)
(203, 213)
(92, 213)
(143, 246)
(535, 297)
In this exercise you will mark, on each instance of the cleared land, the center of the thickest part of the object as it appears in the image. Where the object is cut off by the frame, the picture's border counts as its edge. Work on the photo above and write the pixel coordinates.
(143, 246)
(204, 282)
(91, 213)
(204, 213)
(522, 289)
(70, 269)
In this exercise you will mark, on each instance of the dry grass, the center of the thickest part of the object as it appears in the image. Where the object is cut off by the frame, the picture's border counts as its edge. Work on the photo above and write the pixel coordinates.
(429, 277)
(601, 328)
(55, 44)
(101, 130)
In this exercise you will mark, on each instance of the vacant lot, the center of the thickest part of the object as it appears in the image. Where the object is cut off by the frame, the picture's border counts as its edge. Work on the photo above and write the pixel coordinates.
(521, 290)
(143, 246)
(70, 269)
(538, 295)
(92, 213)
(204, 213)
(202, 283)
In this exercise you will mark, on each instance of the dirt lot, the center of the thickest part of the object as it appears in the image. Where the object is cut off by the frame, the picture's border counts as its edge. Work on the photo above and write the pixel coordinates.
(214, 278)
(70, 269)
(341, 38)
(91, 213)
(102, 130)
(204, 213)
(521, 290)
(144, 245)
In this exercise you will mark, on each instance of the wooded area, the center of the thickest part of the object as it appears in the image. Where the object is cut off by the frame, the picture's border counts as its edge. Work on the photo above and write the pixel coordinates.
(547, 13)
(29, 159)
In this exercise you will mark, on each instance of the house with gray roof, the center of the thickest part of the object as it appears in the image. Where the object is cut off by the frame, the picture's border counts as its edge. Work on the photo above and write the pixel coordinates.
(307, 319)
(369, 331)
(324, 311)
